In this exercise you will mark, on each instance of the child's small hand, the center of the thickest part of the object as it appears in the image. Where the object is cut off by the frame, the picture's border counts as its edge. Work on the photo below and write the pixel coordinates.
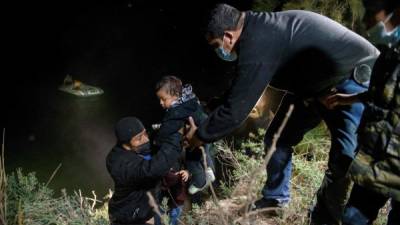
(184, 174)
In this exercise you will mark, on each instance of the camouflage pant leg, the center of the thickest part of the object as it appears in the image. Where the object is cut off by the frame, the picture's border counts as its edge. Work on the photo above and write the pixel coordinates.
(335, 189)
(333, 195)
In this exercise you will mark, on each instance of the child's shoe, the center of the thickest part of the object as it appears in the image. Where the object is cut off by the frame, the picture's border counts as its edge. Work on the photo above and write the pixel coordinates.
(210, 177)
(193, 189)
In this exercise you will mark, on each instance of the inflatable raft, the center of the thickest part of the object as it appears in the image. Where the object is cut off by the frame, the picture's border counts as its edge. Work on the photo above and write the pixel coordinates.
(78, 88)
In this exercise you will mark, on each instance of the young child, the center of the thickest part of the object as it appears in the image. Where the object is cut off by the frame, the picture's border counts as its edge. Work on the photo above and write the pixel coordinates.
(181, 103)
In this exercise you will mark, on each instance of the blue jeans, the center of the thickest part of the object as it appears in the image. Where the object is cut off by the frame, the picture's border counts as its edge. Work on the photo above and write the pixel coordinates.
(174, 215)
(362, 210)
(342, 123)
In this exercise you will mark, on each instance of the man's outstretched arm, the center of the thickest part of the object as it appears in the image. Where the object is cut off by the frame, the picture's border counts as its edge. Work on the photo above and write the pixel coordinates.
(251, 81)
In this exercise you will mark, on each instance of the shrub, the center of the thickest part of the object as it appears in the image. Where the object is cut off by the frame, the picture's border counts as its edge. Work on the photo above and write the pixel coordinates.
(33, 203)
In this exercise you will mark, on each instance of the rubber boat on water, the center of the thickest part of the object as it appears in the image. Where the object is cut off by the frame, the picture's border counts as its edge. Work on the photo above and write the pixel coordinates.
(77, 88)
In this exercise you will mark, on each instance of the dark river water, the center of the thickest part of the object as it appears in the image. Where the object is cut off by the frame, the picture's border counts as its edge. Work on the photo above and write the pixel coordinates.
(124, 47)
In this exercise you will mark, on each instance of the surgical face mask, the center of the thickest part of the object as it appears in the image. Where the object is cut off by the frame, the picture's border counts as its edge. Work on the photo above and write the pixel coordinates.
(144, 149)
(378, 35)
(224, 55)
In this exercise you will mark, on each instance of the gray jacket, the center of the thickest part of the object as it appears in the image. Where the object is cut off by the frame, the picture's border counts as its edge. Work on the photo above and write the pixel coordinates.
(303, 52)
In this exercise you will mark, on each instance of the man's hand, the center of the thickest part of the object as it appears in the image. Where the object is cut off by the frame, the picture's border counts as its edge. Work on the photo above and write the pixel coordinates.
(191, 141)
(334, 100)
(184, 174)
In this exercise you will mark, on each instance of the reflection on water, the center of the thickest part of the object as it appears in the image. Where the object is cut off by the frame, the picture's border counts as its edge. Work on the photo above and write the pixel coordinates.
(76, 132)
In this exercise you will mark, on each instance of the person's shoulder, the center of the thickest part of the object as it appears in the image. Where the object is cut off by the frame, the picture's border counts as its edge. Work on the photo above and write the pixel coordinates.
(171, 114)
(171, 123)
(305, 16)
(194, 102)
(168, 113)
(118, 159)
(256, 17)
(184, 110)
(117, 153)
(287, 16)
(249, 14)
(299, 13)
(113, 152)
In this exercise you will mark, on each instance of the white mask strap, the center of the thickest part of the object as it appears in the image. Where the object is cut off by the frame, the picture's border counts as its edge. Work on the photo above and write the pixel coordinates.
(388, 18)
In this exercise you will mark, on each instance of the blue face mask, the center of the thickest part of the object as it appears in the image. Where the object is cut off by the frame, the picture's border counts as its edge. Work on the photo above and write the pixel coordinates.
(145, 151)
(224, 55)
(378, 35)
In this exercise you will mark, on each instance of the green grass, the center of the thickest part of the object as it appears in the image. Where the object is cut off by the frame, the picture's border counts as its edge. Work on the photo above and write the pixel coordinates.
(241, 159)
(33, 203)
(309, 164)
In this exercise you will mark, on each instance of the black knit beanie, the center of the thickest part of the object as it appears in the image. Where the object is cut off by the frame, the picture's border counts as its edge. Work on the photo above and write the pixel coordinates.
(126, 128)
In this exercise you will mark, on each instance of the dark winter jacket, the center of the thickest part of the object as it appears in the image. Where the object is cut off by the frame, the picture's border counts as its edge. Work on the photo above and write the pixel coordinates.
(176, 117)
(303, 52)
(133, 176)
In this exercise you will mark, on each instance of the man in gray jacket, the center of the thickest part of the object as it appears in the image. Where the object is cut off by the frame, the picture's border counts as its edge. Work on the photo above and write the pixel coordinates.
(309, 55)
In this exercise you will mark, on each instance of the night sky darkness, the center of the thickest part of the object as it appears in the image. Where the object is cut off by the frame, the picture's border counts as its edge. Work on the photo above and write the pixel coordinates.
(123, 47)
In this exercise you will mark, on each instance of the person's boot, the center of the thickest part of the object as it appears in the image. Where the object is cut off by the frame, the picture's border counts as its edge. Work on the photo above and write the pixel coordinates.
(269, 207)
(319, 215)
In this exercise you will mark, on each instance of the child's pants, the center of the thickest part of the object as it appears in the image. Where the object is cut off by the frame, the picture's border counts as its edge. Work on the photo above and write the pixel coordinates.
(174, 215)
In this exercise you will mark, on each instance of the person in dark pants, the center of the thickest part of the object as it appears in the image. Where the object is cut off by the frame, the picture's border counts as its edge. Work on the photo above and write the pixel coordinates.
(309, 55)
(376, 168)
(134, 174)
